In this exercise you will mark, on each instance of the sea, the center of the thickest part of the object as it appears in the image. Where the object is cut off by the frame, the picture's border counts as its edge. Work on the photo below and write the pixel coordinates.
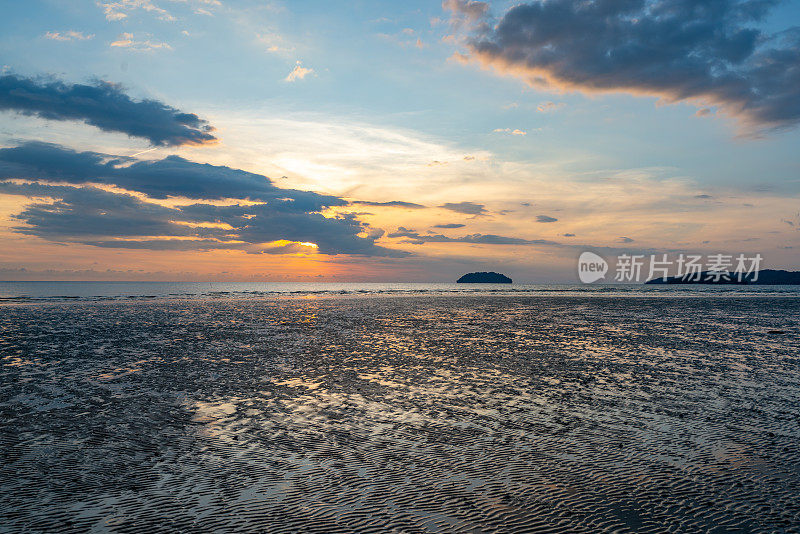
(87, 291)
(277, 407)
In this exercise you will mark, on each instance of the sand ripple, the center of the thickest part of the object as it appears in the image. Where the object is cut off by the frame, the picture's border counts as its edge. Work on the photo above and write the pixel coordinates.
(430, 414)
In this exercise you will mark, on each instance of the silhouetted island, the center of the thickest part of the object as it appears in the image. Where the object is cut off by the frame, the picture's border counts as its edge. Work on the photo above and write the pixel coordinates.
(766, 277)
(484, 278)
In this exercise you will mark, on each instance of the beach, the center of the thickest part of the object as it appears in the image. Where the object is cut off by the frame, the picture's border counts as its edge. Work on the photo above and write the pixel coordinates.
(445, 412)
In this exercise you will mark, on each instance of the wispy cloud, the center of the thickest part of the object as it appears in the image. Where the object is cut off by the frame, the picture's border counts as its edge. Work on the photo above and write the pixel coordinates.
(510, 131)
(273, 42)
(466, 14)
(467, 208)
(120, 10)
(549, 107)
(69, 35)
(476, 239)
(407, 37)
(298, 73)
(201, 7)
(126, 40)
(389, 204)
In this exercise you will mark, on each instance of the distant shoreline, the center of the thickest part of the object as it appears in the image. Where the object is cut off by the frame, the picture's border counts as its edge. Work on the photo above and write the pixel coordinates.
(766, 277)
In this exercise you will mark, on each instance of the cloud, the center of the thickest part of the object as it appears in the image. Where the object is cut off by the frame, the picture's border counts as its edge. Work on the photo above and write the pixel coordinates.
(449, 225)
(568, 235)
(549, 107)
(466, 13)
(126, 40)
(467, 208)
(545, 219)
(83, 212)
(705, 53)
(624, 239)
(201, 7)
(390, 204)
(338, 154)
(106, 106)
(69, 35)
(79, 213)
(478, 239)
(298, 73)
(274, 42)
(406, 38)
(172, 176)
(510, 131)
(119, 10)
(180, 244)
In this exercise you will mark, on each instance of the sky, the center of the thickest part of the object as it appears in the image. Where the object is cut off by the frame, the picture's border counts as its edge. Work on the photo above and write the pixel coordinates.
(393, 141)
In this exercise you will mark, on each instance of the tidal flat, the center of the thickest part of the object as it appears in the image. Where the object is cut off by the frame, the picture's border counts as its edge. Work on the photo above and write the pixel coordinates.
(447, 413)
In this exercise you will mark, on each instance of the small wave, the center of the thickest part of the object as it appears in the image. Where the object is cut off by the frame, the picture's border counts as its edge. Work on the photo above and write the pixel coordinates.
(201, 291)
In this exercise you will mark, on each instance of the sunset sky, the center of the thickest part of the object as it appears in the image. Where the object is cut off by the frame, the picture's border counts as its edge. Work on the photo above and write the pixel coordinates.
(392, 141)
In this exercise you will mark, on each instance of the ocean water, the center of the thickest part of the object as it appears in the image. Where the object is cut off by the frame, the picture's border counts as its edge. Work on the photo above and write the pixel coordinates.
(211, 408)
(62, 291)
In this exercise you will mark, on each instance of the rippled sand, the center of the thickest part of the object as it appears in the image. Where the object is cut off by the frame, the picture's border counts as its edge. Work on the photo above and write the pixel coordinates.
(412, 414)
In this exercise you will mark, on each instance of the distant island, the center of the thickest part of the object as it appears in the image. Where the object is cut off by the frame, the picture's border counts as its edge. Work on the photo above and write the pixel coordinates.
(766, 277)
(484, 278)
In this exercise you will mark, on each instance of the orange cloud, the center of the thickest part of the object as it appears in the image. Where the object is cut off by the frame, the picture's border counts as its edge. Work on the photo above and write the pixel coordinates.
(298, 73)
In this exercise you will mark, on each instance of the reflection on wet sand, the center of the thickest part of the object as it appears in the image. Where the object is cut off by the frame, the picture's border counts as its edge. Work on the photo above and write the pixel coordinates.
(447, 414)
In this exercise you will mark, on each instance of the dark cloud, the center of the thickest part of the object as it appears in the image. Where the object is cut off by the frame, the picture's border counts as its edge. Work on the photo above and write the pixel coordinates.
(624, 239)
(568, 235)
(172, 176)
(84, 213)
(168, 244)
(78, 213)
(449, 225)
(705, 52)
(545, 219)
(467, 208)
(390, 204)
(106, 106)
(480, 239)
(261, 223)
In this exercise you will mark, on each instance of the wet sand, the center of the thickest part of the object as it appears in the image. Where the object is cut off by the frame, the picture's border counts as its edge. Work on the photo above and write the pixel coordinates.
(406, 414)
